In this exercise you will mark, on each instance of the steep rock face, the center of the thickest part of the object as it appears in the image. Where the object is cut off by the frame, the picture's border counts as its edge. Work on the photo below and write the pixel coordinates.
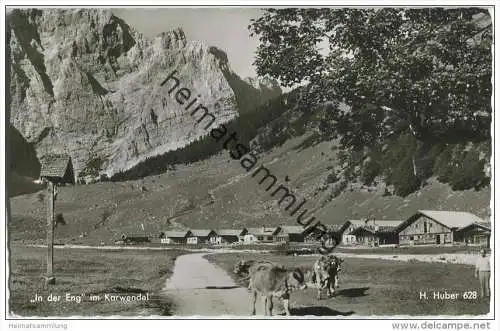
(249, 89)
(83, 82)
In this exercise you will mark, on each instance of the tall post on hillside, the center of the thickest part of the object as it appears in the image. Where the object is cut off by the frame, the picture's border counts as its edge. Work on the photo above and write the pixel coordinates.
(49, 278)
(56, 169)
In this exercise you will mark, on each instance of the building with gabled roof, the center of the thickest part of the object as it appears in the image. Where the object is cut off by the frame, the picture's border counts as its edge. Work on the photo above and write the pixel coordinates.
(290, 233)
(261, 234)
(451, 219)
(202, 236)
(174, 237)
(476, 234)
(228, 236)
(369, 231)
(435, 227)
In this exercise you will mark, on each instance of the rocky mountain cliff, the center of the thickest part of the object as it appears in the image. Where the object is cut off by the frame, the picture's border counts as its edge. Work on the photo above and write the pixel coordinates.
(84, 83)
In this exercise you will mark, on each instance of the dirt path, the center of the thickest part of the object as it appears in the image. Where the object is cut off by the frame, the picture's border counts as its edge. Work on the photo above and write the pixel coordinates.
(199, 288)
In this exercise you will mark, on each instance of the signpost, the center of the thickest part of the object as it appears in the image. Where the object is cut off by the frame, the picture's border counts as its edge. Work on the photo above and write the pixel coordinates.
(49, 277)
(56, 169)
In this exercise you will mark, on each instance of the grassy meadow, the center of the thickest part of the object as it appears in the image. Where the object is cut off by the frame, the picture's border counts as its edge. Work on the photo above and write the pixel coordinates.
(92, 272)
(378, 287)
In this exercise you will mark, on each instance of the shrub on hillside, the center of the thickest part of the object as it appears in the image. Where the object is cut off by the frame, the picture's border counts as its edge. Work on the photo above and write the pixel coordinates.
(443, 164)
(93, 167)
(386, 193)
(370, 170)
(469, 173)
(275, 136)
(332, 178)
(326, 121)
(104, 217)
(300, 125)
(338, 188)
(59, 220)
(351, 163)
(403, 178)
(427, 160)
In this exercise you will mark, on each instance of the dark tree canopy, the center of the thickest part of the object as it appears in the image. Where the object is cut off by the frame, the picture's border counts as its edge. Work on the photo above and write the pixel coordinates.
(424, 70)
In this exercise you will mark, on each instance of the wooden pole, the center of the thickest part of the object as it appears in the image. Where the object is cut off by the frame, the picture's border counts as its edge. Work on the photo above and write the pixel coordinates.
(50, 279)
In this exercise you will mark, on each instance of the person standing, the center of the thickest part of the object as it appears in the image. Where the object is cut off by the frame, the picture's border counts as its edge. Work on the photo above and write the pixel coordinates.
(483, 273)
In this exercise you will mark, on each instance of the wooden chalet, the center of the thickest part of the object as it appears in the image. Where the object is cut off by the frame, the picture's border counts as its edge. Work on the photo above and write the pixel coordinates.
(345, 231)
(202, 236)
(438, 227)
(174, 237)
(290, 233)
(261, 234)
(229, 236)
(371, 232)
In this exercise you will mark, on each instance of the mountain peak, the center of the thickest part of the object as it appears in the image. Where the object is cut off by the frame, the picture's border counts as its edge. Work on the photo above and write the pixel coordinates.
(89, 78)
(175, 37)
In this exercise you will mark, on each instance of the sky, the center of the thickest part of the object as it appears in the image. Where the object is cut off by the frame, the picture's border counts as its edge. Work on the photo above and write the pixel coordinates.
(225, 28)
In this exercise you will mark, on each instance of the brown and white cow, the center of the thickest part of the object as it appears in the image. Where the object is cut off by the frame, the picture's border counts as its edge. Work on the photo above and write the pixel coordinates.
(274, 281)
(325, 274)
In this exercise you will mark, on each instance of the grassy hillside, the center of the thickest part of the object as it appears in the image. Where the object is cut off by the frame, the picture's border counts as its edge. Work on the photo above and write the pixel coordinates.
(201, 186)
(218, 192)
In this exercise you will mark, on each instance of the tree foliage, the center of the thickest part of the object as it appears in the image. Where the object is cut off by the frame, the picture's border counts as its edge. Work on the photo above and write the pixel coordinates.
(423, 70)
(469, 173)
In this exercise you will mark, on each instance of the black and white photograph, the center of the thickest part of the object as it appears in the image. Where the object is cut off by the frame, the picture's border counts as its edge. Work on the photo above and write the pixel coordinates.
(250, 162)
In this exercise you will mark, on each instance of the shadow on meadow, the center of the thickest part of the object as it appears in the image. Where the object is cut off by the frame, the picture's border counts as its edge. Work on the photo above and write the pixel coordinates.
(352, 292)
(318, 311)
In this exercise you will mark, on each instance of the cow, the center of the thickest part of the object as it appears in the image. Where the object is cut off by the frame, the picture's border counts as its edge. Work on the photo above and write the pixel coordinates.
(274, 281)
(246, 268)
(325, 274)
(338, 262)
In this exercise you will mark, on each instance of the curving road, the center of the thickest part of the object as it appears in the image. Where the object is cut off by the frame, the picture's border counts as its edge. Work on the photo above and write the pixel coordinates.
(199, 288)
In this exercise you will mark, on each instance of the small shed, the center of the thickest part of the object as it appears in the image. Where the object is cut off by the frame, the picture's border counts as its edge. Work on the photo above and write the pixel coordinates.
(58, 169)
(475, 234)
(135, 238)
